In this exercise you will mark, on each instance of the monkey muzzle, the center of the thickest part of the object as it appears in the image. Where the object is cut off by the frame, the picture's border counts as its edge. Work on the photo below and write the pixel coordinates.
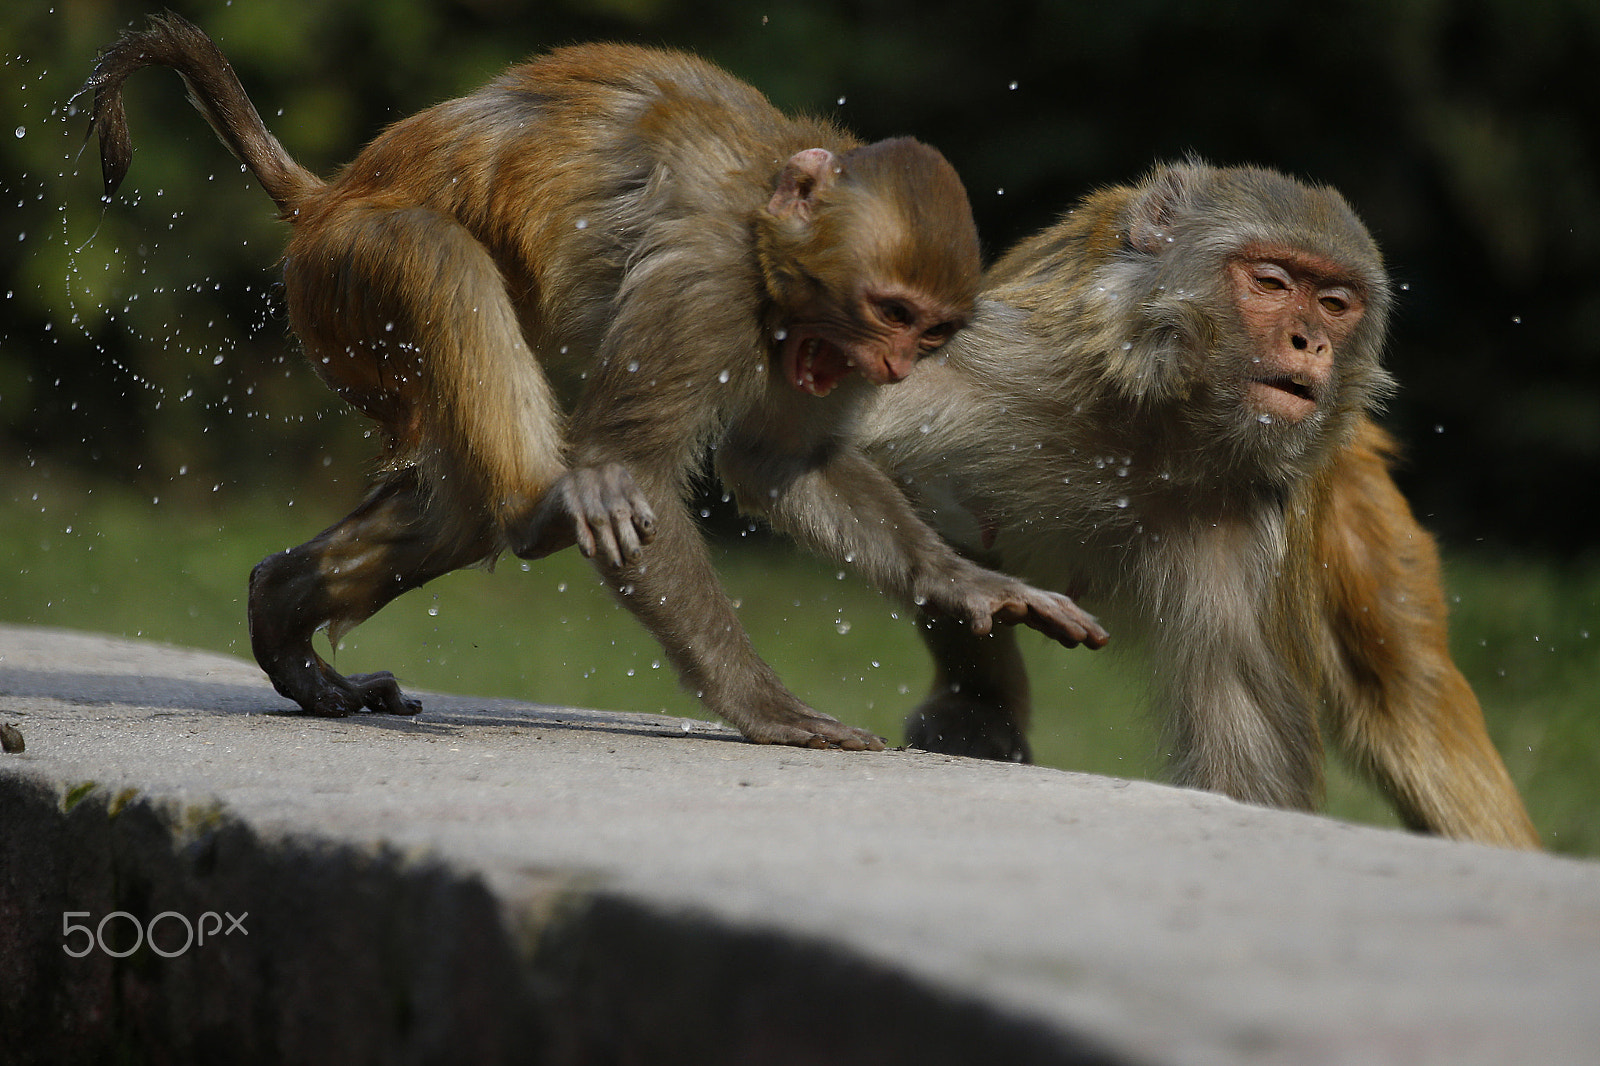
(813, 364)
(1286, 397)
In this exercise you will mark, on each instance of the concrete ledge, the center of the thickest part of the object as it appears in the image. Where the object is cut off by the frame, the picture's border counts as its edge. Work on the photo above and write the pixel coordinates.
(500, 881)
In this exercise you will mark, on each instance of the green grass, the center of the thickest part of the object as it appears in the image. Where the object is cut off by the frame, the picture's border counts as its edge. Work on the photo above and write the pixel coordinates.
(110, 562)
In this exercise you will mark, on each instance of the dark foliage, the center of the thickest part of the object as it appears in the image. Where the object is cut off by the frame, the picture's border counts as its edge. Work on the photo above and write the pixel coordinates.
(1464, 133)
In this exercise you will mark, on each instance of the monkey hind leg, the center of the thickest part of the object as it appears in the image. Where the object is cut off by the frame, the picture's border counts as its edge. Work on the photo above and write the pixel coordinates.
(406, 315)
(396, 540)
(979, 704)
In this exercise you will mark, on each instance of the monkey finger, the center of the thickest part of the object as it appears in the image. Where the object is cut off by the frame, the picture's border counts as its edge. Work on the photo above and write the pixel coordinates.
(810, 729)
(626, 534)
(604, 536)
(584, 538)
(644, 520)
(1067, 623)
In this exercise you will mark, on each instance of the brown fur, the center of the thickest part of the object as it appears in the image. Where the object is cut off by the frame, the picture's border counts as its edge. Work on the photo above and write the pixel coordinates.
(1096, 430)
(639, 222)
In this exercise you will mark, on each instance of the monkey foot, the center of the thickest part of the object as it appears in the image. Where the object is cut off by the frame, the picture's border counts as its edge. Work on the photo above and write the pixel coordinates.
(380, 693)
(334, 696)
(960, 732)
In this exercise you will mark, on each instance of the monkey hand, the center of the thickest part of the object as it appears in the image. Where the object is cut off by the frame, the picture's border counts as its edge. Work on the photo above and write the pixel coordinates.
(780, 718)
(986, 598)
(599, 508)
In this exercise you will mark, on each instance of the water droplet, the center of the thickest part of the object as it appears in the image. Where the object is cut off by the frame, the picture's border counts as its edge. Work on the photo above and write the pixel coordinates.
(22, 131)
(1264, 418)
(582, 223)
(1012, 86)
(841, 627)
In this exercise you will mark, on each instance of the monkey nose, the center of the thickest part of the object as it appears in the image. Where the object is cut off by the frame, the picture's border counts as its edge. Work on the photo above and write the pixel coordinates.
(1315, 344)
(897, 369)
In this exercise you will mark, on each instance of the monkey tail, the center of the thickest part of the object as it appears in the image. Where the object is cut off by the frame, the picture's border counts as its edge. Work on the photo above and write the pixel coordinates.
(214, 89)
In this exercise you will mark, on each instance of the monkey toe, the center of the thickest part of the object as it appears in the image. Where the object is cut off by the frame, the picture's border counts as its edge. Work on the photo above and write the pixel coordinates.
(329, 703)
(380, 693)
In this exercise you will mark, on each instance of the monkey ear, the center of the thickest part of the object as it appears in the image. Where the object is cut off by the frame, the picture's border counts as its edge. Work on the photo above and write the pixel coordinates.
(805, 175)
(1156, 205)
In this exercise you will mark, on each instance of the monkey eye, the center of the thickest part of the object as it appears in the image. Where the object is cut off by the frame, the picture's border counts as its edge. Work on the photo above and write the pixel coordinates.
(893, 312)
(935, 336)
(1335, 305)
(1271, 283)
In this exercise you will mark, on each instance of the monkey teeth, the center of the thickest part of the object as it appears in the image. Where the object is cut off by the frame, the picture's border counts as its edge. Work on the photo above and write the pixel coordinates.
(815, 366)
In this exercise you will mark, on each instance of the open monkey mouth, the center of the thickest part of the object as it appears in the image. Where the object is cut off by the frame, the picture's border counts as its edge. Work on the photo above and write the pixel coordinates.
(1287, 396)
(814, 365)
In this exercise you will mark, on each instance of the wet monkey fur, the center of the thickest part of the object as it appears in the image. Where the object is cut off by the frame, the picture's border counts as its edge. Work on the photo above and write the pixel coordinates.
(1163, 407)
(718, 276)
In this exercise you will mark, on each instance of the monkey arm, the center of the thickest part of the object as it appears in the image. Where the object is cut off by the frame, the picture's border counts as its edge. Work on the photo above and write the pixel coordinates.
(838, 503)
(672, 589)
(1399, 705)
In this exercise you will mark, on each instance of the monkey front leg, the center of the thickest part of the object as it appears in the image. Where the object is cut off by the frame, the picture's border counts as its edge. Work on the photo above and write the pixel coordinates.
(673, 590)
(843, 506)
(979, 704)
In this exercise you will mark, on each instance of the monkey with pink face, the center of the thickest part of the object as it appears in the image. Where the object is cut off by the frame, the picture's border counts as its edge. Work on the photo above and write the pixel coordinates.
(1164, 408)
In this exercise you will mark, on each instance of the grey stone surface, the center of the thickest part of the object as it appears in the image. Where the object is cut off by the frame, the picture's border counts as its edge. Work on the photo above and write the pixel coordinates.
(497, 880)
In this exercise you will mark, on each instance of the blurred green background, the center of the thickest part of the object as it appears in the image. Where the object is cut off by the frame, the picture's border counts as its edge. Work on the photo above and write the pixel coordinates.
(158, 434)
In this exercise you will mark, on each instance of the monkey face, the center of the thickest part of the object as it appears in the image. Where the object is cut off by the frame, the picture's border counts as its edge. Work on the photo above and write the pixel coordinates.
(1298, 311)
(881, 333)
